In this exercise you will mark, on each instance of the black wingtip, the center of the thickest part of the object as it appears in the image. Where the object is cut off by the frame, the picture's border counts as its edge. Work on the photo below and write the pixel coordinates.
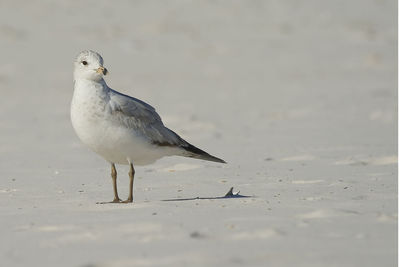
(222, 161)
(200, 154)
(215, 159)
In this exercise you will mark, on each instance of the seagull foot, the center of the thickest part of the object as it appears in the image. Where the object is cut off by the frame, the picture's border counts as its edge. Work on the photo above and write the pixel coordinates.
(129, 200)
(116, 200)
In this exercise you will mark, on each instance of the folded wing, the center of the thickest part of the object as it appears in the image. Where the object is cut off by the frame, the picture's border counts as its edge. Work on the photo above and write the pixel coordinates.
(144, 120)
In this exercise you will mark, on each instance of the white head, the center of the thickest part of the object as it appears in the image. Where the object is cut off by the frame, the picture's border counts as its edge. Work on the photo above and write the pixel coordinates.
(89, 66)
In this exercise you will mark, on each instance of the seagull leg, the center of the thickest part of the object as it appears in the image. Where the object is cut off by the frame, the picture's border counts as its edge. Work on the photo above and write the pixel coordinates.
(131, 177)
(114, 180)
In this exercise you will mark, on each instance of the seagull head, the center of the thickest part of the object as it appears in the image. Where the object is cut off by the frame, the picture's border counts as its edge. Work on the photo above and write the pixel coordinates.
(89, 66)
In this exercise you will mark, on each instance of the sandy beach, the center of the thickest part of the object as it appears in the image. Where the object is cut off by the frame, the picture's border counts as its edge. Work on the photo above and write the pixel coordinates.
(299, 97)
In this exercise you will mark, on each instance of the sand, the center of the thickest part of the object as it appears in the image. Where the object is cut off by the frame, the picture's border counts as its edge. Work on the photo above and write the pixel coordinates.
(299, 97)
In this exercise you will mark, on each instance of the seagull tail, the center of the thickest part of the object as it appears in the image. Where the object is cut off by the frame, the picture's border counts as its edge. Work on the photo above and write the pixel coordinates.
(197, 153)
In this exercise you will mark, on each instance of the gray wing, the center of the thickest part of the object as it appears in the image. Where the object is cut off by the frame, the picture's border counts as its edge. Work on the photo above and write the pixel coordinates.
(143, 119)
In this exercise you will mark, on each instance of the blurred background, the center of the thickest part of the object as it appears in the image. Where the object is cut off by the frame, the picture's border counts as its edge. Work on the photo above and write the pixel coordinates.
(290, 91)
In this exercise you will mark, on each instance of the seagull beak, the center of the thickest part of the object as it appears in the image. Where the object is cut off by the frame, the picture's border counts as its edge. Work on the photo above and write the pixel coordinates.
(102, 70)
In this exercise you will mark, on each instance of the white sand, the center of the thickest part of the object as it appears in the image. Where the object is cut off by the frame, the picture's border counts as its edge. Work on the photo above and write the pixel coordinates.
(298, 96)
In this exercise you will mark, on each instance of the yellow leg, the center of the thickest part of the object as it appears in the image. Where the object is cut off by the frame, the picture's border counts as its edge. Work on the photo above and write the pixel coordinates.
(114, 181)
(131, 178)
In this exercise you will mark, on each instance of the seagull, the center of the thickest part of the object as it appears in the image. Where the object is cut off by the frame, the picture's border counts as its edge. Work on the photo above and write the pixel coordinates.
(120, 128)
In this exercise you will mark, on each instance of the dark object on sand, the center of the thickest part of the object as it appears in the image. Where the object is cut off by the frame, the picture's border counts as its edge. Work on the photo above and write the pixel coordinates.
(230, 194)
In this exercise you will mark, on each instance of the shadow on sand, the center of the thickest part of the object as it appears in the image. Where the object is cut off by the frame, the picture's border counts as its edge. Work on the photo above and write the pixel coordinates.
(230, 194)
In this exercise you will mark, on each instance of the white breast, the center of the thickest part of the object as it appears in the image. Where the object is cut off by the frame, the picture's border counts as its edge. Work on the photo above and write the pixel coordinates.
(98, 128)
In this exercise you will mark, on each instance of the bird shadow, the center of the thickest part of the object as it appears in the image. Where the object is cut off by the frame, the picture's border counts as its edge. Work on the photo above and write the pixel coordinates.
(228, 195)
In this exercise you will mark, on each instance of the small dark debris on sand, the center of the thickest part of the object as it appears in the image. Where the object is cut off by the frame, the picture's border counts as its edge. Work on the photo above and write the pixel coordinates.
(230, 194)
(197, 235)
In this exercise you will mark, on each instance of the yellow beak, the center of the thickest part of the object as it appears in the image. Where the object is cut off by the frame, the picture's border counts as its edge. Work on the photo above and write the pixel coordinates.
(102, 70)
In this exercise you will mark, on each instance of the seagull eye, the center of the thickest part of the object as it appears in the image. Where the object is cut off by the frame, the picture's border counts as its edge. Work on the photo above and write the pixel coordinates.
(84, 63)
